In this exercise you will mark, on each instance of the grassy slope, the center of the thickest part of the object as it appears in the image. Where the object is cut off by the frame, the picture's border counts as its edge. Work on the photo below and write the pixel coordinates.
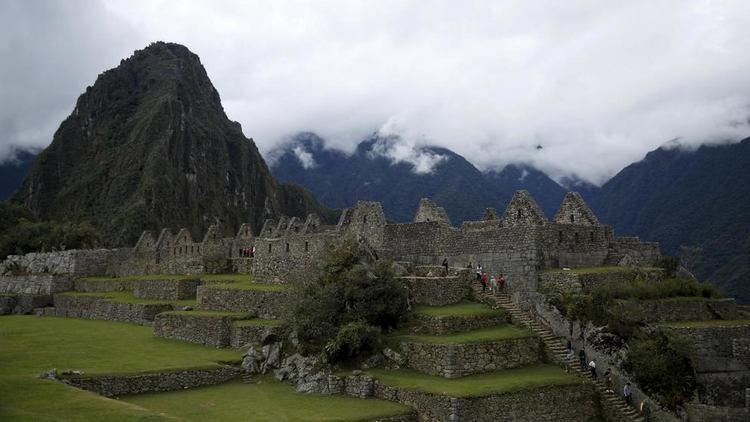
(459, 309)
(268, 400)
(30, 345)
(501, 332)
(477, 385)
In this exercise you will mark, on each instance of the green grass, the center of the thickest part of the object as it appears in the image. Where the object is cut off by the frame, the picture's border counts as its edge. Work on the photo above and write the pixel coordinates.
(258, 322)
(30, 345)
(127, 297)
(250, 286)
(477, 385)
(145, 277)
(709, 323)
(268, 400)
(226, 278)
(459, 309)
(501, 332)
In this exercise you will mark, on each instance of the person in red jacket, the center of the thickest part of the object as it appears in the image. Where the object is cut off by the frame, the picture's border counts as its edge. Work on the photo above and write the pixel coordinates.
(485, 279)
(501, 282)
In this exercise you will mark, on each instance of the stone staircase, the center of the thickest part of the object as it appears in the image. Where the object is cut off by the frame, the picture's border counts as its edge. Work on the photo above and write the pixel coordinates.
(610, 401)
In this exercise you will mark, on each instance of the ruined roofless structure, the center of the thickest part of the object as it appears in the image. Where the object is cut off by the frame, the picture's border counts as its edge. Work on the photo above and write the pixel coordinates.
(519, 243)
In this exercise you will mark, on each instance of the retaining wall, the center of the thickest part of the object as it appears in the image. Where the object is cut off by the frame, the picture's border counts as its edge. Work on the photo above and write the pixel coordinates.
(166, 289)
(209, 330)
(439, 325)
(437, 291)
(120, 385)
(458, 360)
(677, 309)
(44, 284)
(95, 307)
(242, 335)
(22, 303)
(264, 303)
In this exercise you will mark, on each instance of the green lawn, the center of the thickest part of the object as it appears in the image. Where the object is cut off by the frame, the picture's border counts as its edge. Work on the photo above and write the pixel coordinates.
(500, 332)
(258, 322)
(709, 323)
(459, 309)
(30, 345)
(128, 297)
(268, 400)
(250, 286)
(477, 385)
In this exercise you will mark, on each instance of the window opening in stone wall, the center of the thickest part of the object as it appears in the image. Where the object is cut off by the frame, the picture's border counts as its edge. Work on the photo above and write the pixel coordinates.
(296, 229)
(287, 247)
(576, 236)
(269, 248)
(364, 219)
(591, 235)
(307, 246)
(518, 214)
(572, 218)
(559, 237)
(191, 249)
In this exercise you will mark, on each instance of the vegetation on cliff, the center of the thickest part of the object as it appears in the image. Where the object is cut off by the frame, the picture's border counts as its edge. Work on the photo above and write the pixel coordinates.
(149, 146)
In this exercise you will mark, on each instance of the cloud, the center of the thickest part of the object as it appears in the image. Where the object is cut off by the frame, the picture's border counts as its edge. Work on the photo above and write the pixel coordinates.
(402, 150)
(305, 158)
(597, 84)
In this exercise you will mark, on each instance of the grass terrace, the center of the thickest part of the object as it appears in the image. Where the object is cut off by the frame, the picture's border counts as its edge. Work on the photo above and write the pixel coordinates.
(708, 324)
(268, 400)
(226, 278)
(505, 381)
(250, 286)
(458, 310)
(501, 332)
(216, 314)
(31, 345)
(127, 297)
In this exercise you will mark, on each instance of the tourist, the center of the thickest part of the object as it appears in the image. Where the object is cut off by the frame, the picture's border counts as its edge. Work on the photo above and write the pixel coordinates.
(252, 252)
(592, 368)
(645, 410)
(493, 284)
(501, 283)
(479, 272)
(627, 393)
(484, 282)
(608, 381)
(582, 358)
(445, 265)
(570, 354)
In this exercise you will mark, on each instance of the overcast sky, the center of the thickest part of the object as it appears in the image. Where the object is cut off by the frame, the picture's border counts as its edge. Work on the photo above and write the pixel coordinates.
(596, 83)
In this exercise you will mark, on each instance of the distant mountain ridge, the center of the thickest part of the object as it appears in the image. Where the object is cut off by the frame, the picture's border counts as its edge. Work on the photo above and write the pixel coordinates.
(14, 170)
(149, 146)
(339, 180)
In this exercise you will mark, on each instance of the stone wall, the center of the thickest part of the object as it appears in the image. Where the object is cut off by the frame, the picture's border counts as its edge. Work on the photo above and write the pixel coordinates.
(41, 284)
(166, 289)
(276, 258)
(639, 253)
(196, 327)
(121, 385)
(22, 303)
(430, 211)
(458, 360)
(571, 281)
(440, 325)
(264, 303)
(75, 262)
(570, 403)
(95, 307)
(720, 360)
(103, 285)
(248, 334)
(677, 309)
(437, 291)
(705, 413)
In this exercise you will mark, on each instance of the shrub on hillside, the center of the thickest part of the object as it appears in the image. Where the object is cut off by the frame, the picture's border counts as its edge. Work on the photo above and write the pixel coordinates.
(342, 307)
(661, 363)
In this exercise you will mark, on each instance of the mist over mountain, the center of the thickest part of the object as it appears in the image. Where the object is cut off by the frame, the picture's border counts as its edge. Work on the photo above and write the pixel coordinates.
(149, 146)
(697, 198)
(385, 169)
(14, 170)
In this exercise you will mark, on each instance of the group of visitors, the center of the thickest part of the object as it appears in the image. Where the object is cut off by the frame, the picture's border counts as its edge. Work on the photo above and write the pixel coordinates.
(495, 284)
(248, 252)
(627, 392)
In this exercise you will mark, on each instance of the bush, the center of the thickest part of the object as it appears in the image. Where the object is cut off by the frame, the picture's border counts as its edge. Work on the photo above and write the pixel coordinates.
(342, 307)
(662, 366)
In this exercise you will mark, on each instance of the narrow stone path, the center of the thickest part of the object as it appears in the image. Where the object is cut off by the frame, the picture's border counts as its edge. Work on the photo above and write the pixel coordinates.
(554, 344)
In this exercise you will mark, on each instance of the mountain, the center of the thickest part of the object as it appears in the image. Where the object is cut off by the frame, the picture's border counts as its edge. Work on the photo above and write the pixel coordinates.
(13, 171)
(149, 146)
(688, 198)
(371, 173)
